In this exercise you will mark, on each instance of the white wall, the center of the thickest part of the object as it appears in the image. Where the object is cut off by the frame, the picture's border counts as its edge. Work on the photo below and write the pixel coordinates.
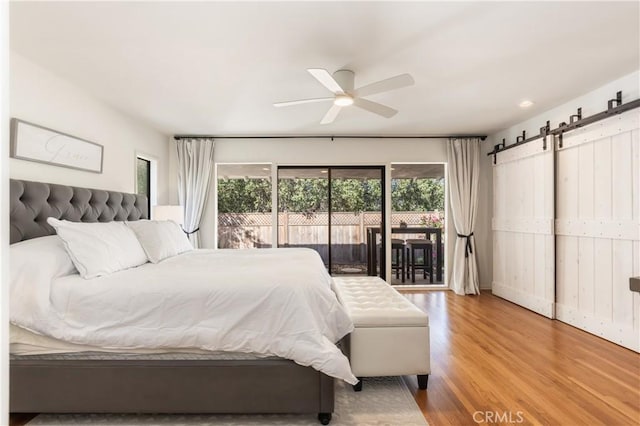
(591, 103)
(4, 214)
(327, 152)
(482, 233)
(40, 97)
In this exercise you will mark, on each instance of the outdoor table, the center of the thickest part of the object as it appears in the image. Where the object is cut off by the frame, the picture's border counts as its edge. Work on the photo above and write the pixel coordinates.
(372, 252)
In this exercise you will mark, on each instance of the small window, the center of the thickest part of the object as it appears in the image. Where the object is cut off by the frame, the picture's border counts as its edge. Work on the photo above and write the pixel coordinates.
(143, 179)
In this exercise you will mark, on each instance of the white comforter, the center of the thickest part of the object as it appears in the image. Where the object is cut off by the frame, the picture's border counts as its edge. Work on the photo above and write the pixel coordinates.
(272, 301)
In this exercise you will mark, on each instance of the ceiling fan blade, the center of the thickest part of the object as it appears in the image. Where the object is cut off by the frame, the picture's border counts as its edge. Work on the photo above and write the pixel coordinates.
(331, 115)
(301, 101)
(326, 79)
(392, 83)
(375, 107)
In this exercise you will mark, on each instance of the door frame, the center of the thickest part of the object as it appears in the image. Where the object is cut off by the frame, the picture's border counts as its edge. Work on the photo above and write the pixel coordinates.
(383, 212)
(448, 229)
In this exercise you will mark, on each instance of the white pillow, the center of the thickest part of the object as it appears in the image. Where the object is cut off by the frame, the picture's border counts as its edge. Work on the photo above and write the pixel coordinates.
(33, 265)
(160, 239)
(99, 248)
(43, 257)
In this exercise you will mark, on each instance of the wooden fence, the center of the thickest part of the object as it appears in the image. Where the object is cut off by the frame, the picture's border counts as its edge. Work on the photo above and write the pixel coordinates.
(348, 231)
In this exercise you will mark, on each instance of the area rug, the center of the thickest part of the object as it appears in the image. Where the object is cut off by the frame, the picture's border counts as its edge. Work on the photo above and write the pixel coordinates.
(383, 401)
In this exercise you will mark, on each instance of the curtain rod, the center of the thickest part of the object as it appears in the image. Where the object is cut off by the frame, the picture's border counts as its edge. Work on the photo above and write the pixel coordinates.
(178, 137)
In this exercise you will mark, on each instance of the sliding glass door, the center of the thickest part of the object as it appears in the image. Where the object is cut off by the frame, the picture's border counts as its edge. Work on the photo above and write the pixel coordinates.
(303, 209)
(356, 209)
(337, 211)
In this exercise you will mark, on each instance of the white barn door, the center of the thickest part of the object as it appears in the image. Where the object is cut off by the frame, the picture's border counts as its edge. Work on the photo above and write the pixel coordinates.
(523, 242)
(598, 229)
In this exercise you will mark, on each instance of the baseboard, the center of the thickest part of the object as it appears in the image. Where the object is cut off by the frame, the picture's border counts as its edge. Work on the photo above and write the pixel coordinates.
(625, 336)
(536, 304)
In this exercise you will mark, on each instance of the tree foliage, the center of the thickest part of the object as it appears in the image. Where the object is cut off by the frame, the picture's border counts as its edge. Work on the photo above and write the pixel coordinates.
(413, 195)
(244, 195)
(303, 195)
(311, 195)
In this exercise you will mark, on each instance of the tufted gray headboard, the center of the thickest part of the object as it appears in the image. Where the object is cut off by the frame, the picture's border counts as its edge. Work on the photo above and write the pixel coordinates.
(31, 203)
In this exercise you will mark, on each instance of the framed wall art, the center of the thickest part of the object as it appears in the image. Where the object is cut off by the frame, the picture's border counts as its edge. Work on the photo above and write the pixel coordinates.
(43, 145)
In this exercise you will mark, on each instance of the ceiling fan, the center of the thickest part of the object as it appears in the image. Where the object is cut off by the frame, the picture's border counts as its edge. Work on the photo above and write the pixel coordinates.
(342, 86)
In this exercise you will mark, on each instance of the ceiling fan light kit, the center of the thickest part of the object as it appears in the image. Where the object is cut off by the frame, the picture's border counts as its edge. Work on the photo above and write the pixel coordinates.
(341, 84)
(343, 100)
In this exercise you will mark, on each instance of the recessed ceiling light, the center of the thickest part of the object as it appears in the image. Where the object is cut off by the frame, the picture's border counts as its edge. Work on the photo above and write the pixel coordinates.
(266, 169)
(525, 104)
(324, 171)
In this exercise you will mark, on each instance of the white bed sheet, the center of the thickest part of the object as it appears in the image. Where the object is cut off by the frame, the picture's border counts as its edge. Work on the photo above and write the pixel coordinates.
(270, 301)
(23, 342)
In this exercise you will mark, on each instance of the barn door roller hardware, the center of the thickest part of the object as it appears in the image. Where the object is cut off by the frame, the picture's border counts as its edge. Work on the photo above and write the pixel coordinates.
(497, 148)
(617, 100)
(614, 106)
(560, 126)
(521, 140)
(572, 119)
(544, 131)
(575, 117)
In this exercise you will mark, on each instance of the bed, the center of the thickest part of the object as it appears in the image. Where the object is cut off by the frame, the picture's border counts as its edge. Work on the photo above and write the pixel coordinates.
(93, 377)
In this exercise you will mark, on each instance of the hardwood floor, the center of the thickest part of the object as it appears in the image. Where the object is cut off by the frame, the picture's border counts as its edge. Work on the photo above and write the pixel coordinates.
(511, 366)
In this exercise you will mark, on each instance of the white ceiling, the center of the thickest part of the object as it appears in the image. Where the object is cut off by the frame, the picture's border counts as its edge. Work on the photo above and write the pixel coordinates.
(216, 68)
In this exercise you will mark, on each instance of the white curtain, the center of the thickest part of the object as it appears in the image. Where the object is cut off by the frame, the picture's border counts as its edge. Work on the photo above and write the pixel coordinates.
(464, 172)
(195, 164)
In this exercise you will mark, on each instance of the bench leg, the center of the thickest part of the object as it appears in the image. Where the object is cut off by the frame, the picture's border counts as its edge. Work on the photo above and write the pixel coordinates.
(324, 418)
(423, 379)
(358, 386)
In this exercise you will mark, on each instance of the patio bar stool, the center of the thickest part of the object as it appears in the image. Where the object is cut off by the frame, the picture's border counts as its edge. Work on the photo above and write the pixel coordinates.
(414, 247)
(399, 263)
(398, 257)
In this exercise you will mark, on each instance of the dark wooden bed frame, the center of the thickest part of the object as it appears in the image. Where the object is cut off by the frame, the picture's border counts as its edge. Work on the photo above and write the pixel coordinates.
(144, 386)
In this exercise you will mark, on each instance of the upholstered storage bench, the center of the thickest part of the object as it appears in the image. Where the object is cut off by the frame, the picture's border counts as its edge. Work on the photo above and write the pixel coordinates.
(391, 336)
